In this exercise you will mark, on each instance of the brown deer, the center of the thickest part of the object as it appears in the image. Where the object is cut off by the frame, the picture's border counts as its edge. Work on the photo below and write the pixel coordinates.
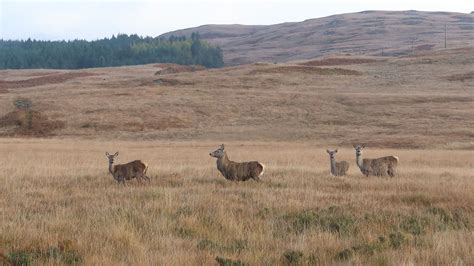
(121, 172)
(337, 168)
(237, 171)
(382, 166)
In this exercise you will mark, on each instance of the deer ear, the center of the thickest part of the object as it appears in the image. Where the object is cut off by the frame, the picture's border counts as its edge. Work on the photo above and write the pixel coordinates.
(116, 154)
(107, 154)
(354, 146)
(335, 151)
(222, 146)
(327, 151)
(362, 146)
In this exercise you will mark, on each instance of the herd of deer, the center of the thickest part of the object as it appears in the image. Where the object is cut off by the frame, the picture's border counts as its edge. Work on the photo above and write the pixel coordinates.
(383, 166)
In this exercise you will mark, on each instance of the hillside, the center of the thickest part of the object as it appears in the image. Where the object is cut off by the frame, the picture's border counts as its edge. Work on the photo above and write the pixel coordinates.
(422, 101)
(368, 33)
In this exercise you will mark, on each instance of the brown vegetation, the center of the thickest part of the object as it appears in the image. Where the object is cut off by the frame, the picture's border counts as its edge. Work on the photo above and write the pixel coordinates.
(52, 78)
(173, 68)
(29, 123)
(461, 77)
(305, 70)
(339, 61)
(60, 206)
(399, 103)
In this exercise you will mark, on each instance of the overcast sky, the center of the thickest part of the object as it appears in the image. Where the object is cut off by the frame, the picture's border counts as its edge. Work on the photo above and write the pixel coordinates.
(92, 19)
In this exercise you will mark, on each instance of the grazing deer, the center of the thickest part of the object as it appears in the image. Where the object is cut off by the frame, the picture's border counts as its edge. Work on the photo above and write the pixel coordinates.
(121, 172)
(237, 171)
(337, 168)
(382, 166)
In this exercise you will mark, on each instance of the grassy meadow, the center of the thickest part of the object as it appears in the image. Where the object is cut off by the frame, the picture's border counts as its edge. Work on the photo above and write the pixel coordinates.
(60, 206)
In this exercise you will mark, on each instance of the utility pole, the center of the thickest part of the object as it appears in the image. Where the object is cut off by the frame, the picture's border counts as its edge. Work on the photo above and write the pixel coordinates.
(445, 35)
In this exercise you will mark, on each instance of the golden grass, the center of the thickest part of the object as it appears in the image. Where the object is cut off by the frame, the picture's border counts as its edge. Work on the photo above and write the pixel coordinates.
(59, 205)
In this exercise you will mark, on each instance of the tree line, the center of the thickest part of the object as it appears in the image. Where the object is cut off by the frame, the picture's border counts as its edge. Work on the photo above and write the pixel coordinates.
(119, 50)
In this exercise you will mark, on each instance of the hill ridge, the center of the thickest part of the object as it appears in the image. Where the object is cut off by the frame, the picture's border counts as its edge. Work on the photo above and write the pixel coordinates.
(370, 32)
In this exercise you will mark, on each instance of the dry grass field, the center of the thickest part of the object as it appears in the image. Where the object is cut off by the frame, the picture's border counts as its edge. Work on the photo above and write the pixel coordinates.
(59, 204)
(422, 101)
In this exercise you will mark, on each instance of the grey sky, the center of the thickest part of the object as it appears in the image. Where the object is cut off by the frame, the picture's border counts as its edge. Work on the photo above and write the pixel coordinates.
(54, 20)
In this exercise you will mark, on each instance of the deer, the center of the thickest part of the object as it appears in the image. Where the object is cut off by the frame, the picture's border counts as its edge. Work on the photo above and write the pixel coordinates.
(337, 168)
(382, 166)
(237, 171)
(121, 172)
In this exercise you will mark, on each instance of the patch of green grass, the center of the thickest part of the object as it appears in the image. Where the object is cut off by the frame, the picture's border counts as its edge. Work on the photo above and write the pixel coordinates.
(230, 262)
(293, 257)
(344, 254)
(206, 244)
(449, 220)
(331, 220)
(28, 257)
(237, 246)
(396, 239)
(184, 232)
(417, 199)
(414, 225)
(20, 257)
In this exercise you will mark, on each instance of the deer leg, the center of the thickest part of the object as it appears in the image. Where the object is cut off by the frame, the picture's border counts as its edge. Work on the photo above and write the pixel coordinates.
(391, 172)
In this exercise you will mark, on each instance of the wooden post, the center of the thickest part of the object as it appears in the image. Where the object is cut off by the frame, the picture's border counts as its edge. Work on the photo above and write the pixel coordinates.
(445, 36)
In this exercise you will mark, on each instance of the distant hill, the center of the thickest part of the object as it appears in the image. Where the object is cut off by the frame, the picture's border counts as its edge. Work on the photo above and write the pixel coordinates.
(367, 32)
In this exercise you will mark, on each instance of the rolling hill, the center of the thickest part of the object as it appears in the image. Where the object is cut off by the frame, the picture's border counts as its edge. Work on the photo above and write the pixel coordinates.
(367, 32)
(338, 100)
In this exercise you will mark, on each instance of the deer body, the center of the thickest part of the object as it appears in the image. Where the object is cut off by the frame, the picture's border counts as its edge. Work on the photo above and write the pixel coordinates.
(237, 171)
(383, 166)
(337, 168)
(121, 172)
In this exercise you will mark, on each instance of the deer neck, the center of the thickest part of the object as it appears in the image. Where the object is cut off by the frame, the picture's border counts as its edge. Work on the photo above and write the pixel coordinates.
(222, 162)
(111, 168)
(333, 165)
(359, 160)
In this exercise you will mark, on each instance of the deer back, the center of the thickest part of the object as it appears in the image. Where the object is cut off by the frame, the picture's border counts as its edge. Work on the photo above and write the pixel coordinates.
(130, 170)
(241, 171)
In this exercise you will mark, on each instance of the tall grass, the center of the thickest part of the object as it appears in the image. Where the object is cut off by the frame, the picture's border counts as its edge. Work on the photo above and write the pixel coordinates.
(59, 205)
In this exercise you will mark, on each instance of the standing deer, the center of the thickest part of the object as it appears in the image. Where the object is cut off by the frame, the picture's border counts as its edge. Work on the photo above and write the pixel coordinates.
(382, 166)
(237, 171)
(121, 172)
(337, 168)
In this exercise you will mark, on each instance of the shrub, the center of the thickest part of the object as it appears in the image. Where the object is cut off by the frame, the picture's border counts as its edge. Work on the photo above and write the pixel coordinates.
(207, 244)
(230, 262)
(396, 239)
(414, 225)
(27, 121)
(20, 257)
(344, 254)
(293, 256)
(332, 220)
(237, 245)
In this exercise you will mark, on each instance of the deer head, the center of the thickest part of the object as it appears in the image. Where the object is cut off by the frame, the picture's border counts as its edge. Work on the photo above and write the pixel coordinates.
(332, 154)
(358, 149)
(219, 153)
(111, 157)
